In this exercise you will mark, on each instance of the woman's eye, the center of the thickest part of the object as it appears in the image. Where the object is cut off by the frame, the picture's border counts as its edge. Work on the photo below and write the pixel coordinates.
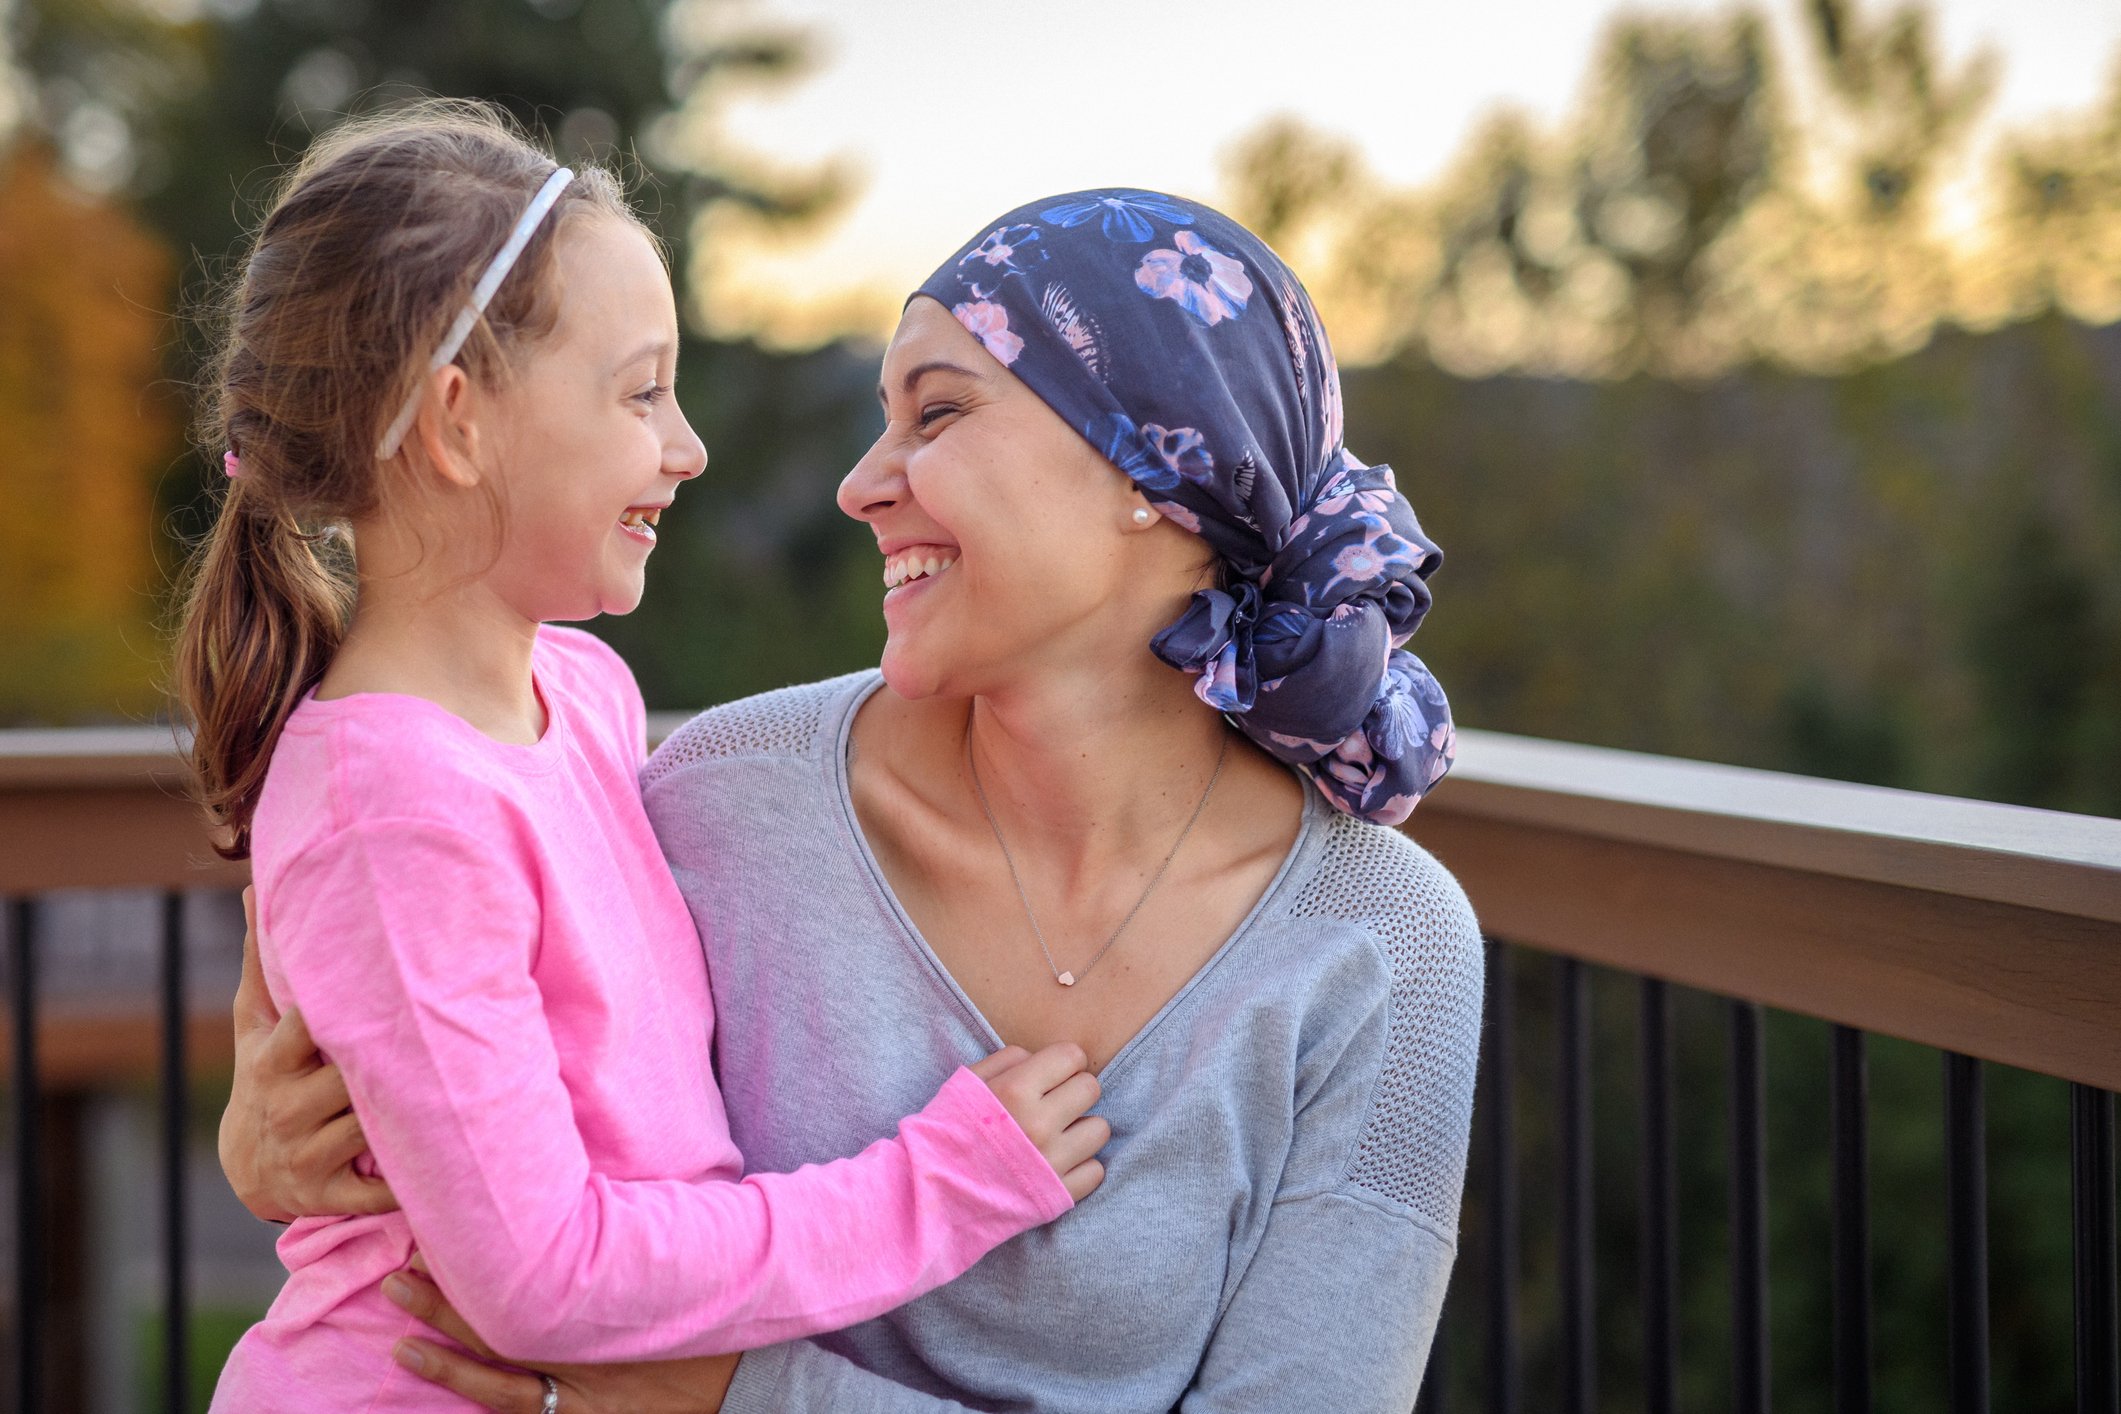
(652, 396)
(930, 415)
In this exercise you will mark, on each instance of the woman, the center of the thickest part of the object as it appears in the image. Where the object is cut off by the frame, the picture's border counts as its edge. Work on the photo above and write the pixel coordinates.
(1113, 426)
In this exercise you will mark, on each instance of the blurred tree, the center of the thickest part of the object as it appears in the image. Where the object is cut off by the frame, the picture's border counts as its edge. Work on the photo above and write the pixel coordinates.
(186, 111)
(1847, 263)
(2058, 221)
(1898, 113)
(190, 106)
(1285, 177)
(1710, 203)
(83, 427)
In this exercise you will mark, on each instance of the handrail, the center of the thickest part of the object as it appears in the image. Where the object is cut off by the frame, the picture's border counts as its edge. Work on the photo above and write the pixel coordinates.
(1992, 930)
(1988, 929)
(1969, 848)
(101, 807)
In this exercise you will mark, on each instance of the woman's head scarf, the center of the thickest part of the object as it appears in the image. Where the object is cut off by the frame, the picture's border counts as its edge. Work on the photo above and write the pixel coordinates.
(1189, 356)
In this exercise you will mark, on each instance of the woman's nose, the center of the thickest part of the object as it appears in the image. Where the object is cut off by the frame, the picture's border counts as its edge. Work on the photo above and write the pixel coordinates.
(877, 483)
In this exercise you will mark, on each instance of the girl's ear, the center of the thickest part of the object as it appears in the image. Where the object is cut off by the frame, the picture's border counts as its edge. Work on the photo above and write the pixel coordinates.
(447, 426)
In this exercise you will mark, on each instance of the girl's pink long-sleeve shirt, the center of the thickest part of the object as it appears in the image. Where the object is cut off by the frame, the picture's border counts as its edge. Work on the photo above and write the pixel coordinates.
(486, 940)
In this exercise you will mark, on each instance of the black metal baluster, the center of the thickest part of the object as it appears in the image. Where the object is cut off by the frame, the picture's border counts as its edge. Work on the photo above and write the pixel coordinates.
(1849, 1102)
(2091, 1189)
(1749, 1311)
(1505, 1370)
(1579, 1371)
(29, 1189)
(1966, 1222)
(1660, 1247)
(176, 1323)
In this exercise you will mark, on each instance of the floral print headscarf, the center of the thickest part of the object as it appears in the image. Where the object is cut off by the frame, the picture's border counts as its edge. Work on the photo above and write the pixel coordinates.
(1190, 357)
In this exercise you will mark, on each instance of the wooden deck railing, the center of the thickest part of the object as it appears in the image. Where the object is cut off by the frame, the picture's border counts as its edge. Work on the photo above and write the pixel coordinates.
(1990, 932)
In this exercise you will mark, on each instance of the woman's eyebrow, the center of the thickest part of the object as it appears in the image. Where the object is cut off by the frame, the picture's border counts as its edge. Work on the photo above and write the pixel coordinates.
(922, 370)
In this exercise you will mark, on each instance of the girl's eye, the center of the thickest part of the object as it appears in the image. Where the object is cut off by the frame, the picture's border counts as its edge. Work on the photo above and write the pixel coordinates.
(653, 395)
(932, 414)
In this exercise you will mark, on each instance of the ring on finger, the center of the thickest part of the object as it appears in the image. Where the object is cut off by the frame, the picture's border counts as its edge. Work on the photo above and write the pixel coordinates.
(552, 1396)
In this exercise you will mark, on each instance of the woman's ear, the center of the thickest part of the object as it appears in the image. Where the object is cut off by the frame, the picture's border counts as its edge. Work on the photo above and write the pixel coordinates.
(447, 426)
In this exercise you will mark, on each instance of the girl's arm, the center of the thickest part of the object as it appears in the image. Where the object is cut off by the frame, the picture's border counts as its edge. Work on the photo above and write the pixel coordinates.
(283, 1157)
(411, 947)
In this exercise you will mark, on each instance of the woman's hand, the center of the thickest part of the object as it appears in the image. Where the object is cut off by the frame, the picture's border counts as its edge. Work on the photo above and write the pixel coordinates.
(654, 1387)
(289, 1136)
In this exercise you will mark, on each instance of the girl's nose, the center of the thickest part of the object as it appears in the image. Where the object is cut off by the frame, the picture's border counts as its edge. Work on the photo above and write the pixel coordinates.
(684, 455)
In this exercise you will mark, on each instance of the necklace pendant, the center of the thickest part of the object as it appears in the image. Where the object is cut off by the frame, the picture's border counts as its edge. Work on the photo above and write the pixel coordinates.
(1066, 979)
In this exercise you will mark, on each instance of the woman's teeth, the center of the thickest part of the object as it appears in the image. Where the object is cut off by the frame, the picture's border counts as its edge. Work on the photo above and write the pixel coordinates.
(907, 568)
(634, 520)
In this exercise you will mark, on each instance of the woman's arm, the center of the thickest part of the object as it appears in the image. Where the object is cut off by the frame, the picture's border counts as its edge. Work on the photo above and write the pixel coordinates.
(289, 1136)
(694, 1386)
(412, 948)
(796, 1378)
(1336, 1311)
(1338, 1306)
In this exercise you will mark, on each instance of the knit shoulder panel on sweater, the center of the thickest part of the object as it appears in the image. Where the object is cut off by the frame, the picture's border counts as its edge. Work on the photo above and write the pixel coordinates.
(788, 721)
(1412, 1149)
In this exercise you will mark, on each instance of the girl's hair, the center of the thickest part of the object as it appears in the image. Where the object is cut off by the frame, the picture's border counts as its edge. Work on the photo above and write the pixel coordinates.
(368, 253)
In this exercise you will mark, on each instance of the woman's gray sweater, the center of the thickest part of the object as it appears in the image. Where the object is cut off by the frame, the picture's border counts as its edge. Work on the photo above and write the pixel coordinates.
(1280, 1206)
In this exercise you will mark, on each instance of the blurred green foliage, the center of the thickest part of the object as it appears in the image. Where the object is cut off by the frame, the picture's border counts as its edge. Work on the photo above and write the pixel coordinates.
(1900, 575)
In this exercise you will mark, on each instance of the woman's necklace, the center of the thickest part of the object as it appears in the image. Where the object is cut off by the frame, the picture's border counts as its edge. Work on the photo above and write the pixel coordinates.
(1069, 979)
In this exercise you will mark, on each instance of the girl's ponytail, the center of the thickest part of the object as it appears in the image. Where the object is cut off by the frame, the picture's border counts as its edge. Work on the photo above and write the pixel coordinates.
(262, 617)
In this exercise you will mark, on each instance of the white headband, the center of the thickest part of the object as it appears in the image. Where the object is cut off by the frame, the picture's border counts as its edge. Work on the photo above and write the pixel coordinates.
(504, 260)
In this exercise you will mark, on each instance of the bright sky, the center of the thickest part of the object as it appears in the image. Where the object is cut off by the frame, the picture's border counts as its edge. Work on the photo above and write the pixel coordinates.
(956, 110)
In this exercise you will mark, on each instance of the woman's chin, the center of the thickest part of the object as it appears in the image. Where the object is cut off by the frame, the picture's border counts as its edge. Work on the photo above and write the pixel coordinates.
(914, 672)
(904, 672)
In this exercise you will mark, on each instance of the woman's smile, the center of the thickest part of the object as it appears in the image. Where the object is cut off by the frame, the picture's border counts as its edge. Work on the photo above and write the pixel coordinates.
(917, 565)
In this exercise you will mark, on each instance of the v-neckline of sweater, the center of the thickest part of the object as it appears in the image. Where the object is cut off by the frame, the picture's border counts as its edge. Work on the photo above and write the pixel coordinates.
(1307, 836)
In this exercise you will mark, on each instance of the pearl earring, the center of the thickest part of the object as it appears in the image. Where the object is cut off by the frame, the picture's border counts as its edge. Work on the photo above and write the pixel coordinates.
(1141, 515)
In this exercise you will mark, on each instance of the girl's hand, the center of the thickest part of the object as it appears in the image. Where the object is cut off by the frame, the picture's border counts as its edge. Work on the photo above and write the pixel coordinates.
(289, 1136)
(652, 1387)
(1050, 1095)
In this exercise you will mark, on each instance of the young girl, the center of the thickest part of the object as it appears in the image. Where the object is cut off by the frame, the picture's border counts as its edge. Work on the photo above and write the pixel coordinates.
(465, 355)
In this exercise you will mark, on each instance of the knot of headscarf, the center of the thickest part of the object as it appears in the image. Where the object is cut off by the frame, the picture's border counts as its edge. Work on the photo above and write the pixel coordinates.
(1189, 356)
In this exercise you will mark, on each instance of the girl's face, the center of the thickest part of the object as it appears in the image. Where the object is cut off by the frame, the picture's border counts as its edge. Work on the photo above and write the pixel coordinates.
(1038, 559)
(591, 444)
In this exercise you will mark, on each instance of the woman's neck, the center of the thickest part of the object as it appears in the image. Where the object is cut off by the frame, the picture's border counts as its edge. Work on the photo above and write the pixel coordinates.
(422, 630)
(1083, 771)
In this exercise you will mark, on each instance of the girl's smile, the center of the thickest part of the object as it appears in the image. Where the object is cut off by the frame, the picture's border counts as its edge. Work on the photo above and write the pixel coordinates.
(639, 522)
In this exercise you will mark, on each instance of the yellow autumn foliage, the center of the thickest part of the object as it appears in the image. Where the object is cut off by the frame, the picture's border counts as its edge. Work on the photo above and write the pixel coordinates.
(85, 424)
